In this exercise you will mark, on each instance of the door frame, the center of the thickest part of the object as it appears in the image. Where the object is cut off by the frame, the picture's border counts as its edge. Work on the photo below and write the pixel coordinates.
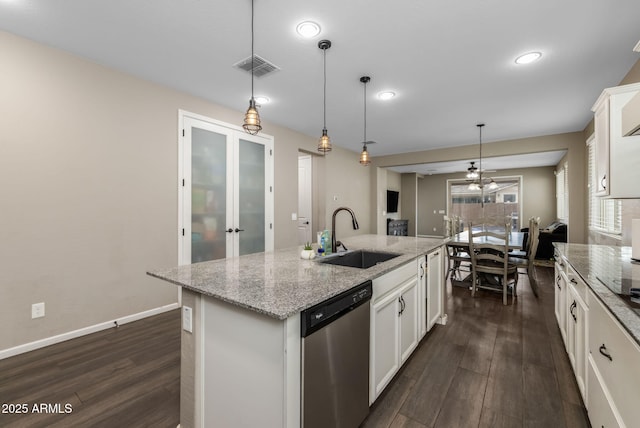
(236, 133)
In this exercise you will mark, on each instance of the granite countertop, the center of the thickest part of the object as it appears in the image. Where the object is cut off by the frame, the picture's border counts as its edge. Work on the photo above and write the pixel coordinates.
(280, 284)
(598, 265)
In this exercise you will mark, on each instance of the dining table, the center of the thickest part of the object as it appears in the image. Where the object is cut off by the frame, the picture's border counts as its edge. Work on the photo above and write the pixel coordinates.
(460, 241)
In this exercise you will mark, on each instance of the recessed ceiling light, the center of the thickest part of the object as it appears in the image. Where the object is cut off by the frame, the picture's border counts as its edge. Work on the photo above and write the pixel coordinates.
(528, 58)
(262, 100)
(386, 95)
(308, 29)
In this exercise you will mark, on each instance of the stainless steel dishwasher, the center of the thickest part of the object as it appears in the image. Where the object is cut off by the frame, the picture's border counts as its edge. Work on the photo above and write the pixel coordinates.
(335, 360)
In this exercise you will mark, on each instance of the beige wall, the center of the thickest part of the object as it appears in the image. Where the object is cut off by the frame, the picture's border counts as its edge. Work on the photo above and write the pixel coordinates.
(573, 142)
(88, 162)
(538, 186)
(409, 201)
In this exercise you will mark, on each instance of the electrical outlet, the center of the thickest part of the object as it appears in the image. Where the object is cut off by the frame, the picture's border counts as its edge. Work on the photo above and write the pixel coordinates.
(187, 319)
(37, 310)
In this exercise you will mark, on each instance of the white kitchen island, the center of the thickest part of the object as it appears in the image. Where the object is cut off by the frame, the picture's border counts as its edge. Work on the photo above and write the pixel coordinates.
(240, 364)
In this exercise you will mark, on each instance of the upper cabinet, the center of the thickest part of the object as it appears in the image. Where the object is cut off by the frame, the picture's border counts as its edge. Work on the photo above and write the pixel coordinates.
(631, 116)
(616, 154)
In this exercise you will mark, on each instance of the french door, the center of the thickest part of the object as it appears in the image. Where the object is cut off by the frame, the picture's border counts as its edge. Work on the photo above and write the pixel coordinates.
(225, 191)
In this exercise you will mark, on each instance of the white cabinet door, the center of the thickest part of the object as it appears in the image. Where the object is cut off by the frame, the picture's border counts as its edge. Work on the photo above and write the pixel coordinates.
(602, 413)
(616, 155)
(434, 287)
(561, 288)
(408, 319)
(385, 358)
(576, 333)
(422, 296)
(601, 126)
(558, 295)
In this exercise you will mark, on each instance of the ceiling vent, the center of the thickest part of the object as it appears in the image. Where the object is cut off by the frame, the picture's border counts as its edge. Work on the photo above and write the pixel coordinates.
(261, 66)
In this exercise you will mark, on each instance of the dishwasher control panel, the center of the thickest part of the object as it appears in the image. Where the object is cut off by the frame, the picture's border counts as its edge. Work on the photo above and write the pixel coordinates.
(318, 316)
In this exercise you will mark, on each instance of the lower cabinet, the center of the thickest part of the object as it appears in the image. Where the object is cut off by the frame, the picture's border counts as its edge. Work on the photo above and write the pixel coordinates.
(561, 297)
(576, 337)
(435, 286)
(394, 325)
(613, 370)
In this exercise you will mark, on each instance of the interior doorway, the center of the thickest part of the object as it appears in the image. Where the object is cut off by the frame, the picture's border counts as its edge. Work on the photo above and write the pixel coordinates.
(305, 198)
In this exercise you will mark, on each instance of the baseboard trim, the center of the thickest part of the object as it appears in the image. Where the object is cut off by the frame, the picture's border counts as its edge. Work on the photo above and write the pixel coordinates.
(31, 346)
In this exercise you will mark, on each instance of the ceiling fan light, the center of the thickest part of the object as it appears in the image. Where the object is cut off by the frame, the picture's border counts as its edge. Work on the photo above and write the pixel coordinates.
(492, 185)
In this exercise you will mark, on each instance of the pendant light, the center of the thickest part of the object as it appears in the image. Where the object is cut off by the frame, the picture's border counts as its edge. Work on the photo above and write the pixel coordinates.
(324, 145)
(251, 117)
(364, 156)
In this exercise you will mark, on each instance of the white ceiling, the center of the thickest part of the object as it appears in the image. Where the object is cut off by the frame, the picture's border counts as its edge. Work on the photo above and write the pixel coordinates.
(451, 63)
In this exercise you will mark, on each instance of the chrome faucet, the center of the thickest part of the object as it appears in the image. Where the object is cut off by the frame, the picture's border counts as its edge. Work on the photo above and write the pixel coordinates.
(335, 243)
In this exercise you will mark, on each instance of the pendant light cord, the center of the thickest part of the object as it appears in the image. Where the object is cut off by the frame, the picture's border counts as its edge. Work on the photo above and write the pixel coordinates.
(324, 102)
(365, 114)
(252, 55)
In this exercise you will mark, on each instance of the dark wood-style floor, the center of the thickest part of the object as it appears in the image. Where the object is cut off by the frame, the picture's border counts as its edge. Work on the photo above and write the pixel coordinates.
(490, 366)
(123, 377)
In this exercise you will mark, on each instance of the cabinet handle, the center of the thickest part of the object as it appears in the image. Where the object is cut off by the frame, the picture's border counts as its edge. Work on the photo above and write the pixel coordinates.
(402, 305)
(421, 271)
(603, 351)
(571, 308)
(558, 282)
(603, 182)
(573, 281)
(229, 230)
(436, 254)
(239, 230)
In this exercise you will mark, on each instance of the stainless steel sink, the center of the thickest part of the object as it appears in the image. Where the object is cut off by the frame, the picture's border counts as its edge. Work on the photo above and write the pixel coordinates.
(361, 259)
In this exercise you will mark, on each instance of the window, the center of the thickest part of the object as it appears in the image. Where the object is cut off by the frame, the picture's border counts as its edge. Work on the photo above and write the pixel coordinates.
(605, 215)
(497, 204)
(562, 193)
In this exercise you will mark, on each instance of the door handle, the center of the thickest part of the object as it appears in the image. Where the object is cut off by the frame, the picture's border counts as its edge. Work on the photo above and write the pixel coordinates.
(603, 351)
(229, 230)
(306, 222)
(239, 230)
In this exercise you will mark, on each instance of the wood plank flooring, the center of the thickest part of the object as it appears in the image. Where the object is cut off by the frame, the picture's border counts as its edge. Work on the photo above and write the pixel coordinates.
(491, 366)
(122, 377)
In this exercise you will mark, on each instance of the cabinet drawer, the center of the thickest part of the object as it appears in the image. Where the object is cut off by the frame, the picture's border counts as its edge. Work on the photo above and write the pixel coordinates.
(391, 280)
(601, 412)
(577, 283)
(619, 371)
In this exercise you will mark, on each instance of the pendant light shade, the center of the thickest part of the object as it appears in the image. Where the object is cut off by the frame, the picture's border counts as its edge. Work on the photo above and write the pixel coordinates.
(324, 144)
(364, 156)
(252, 117)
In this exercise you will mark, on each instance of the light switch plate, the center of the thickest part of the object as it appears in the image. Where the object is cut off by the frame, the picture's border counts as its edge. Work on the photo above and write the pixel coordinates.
(187, 319)
(294, 216)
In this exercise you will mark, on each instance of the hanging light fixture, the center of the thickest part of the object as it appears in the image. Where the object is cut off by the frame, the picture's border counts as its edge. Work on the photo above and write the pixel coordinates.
(324, 145)
(473, 172)
(252, 117)
(364, 156)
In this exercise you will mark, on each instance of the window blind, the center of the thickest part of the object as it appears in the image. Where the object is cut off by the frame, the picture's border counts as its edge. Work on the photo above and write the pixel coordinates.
(605, 215)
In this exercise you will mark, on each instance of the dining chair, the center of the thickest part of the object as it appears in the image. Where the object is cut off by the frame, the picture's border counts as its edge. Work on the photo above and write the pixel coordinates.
(489, 252)
(526, 259)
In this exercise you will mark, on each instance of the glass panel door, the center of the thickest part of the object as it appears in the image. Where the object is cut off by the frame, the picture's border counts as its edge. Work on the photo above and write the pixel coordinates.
(251, 197)
(208, 195)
